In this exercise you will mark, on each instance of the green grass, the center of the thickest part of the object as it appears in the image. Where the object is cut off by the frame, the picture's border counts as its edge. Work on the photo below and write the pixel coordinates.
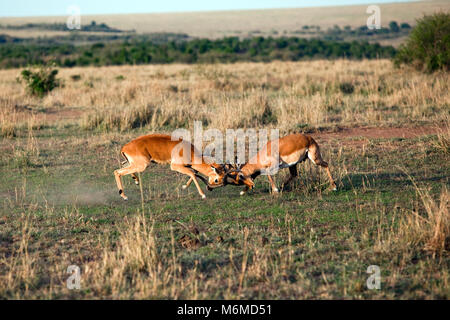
(307, 242)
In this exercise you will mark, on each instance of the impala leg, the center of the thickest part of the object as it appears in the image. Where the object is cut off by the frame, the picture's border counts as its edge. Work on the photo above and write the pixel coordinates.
(317, 159)
(185, 186)
(332, 183)
(272, 184)
(244, 191)
(135, 178)
(122, 172)
(182, 169)
(293, 174)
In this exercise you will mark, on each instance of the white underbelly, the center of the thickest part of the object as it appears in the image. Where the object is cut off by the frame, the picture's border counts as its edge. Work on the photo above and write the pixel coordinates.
(292, 159)
(284, 165)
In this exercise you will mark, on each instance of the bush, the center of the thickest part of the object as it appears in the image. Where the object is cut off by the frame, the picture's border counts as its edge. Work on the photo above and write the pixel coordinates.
(428, 46)
(75, 77)
(41, 81)
(268, 116)
(347, 87)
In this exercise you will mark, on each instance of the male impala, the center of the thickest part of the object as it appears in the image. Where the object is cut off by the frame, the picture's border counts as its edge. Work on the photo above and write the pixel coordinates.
(160, 148)
(292, 149)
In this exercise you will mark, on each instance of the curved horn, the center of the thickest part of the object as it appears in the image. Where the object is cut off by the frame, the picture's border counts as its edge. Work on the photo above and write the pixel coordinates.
(229, 167)
(237, 165)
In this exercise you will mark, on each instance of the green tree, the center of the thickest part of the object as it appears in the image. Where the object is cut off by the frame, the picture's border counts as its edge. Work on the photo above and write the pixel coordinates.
(394, 26)
(405, 25)
(428, 46)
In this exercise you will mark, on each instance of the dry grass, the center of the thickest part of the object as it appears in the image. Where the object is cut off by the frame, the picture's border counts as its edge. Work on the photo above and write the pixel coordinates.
(135, 266)
(430, 231)
(21, 266)
(304, 244)
(291, 95)
(443, 137)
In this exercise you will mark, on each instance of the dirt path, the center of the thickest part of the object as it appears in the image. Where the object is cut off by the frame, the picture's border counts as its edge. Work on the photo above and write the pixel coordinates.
(376, 133)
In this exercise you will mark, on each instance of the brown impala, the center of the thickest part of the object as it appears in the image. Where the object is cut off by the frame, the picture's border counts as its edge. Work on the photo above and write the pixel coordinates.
(293, 149)
(159, 148)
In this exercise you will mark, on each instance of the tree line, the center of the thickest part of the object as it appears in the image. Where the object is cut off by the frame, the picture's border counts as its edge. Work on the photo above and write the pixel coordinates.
(229, 49)
(92, 27)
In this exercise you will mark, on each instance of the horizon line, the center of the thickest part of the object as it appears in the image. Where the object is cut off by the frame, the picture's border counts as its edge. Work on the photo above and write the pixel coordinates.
(365, 2)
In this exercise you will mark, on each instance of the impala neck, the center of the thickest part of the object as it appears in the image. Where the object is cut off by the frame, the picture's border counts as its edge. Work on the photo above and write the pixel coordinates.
(249, 169)
(203, 168)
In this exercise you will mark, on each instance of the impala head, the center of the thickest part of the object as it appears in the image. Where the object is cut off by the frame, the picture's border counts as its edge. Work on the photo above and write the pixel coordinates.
(237, 178)
(217, 176)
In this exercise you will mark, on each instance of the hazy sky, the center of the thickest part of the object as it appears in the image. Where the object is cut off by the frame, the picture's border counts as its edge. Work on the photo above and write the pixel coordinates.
(22, 8)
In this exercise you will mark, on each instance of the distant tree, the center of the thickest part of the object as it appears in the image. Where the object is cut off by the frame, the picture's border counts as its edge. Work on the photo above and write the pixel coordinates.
(394, 26)
(141, 51)
(405, 25)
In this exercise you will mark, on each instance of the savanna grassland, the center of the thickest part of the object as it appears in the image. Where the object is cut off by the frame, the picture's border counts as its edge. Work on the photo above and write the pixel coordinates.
(240, 23)
(384, 131)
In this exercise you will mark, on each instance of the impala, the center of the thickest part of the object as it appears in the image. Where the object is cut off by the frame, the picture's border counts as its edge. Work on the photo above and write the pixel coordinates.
(292, 149)
(160, 148)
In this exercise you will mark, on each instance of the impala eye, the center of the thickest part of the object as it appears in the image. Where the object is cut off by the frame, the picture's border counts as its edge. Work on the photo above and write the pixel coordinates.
(216, 180)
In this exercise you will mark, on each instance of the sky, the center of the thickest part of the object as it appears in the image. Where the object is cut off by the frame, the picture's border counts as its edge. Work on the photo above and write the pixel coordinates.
(23, 8)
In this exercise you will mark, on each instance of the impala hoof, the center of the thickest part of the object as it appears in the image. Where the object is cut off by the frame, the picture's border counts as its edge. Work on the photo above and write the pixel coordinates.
(124, 197)
(275, 190)
(242, 193)
(203, 197)
(184, 187)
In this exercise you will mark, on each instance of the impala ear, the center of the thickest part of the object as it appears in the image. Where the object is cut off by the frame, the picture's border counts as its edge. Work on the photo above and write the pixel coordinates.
(213, 169)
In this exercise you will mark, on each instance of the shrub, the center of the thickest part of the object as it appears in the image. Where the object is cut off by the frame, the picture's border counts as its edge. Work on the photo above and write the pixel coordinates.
(41, 81)
(268, 116)
(75, 77)
(428, 46)
(347, 87)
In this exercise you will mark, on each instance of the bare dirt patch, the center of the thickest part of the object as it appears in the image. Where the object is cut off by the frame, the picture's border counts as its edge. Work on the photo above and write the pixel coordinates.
(352, 135)
(56, 114)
